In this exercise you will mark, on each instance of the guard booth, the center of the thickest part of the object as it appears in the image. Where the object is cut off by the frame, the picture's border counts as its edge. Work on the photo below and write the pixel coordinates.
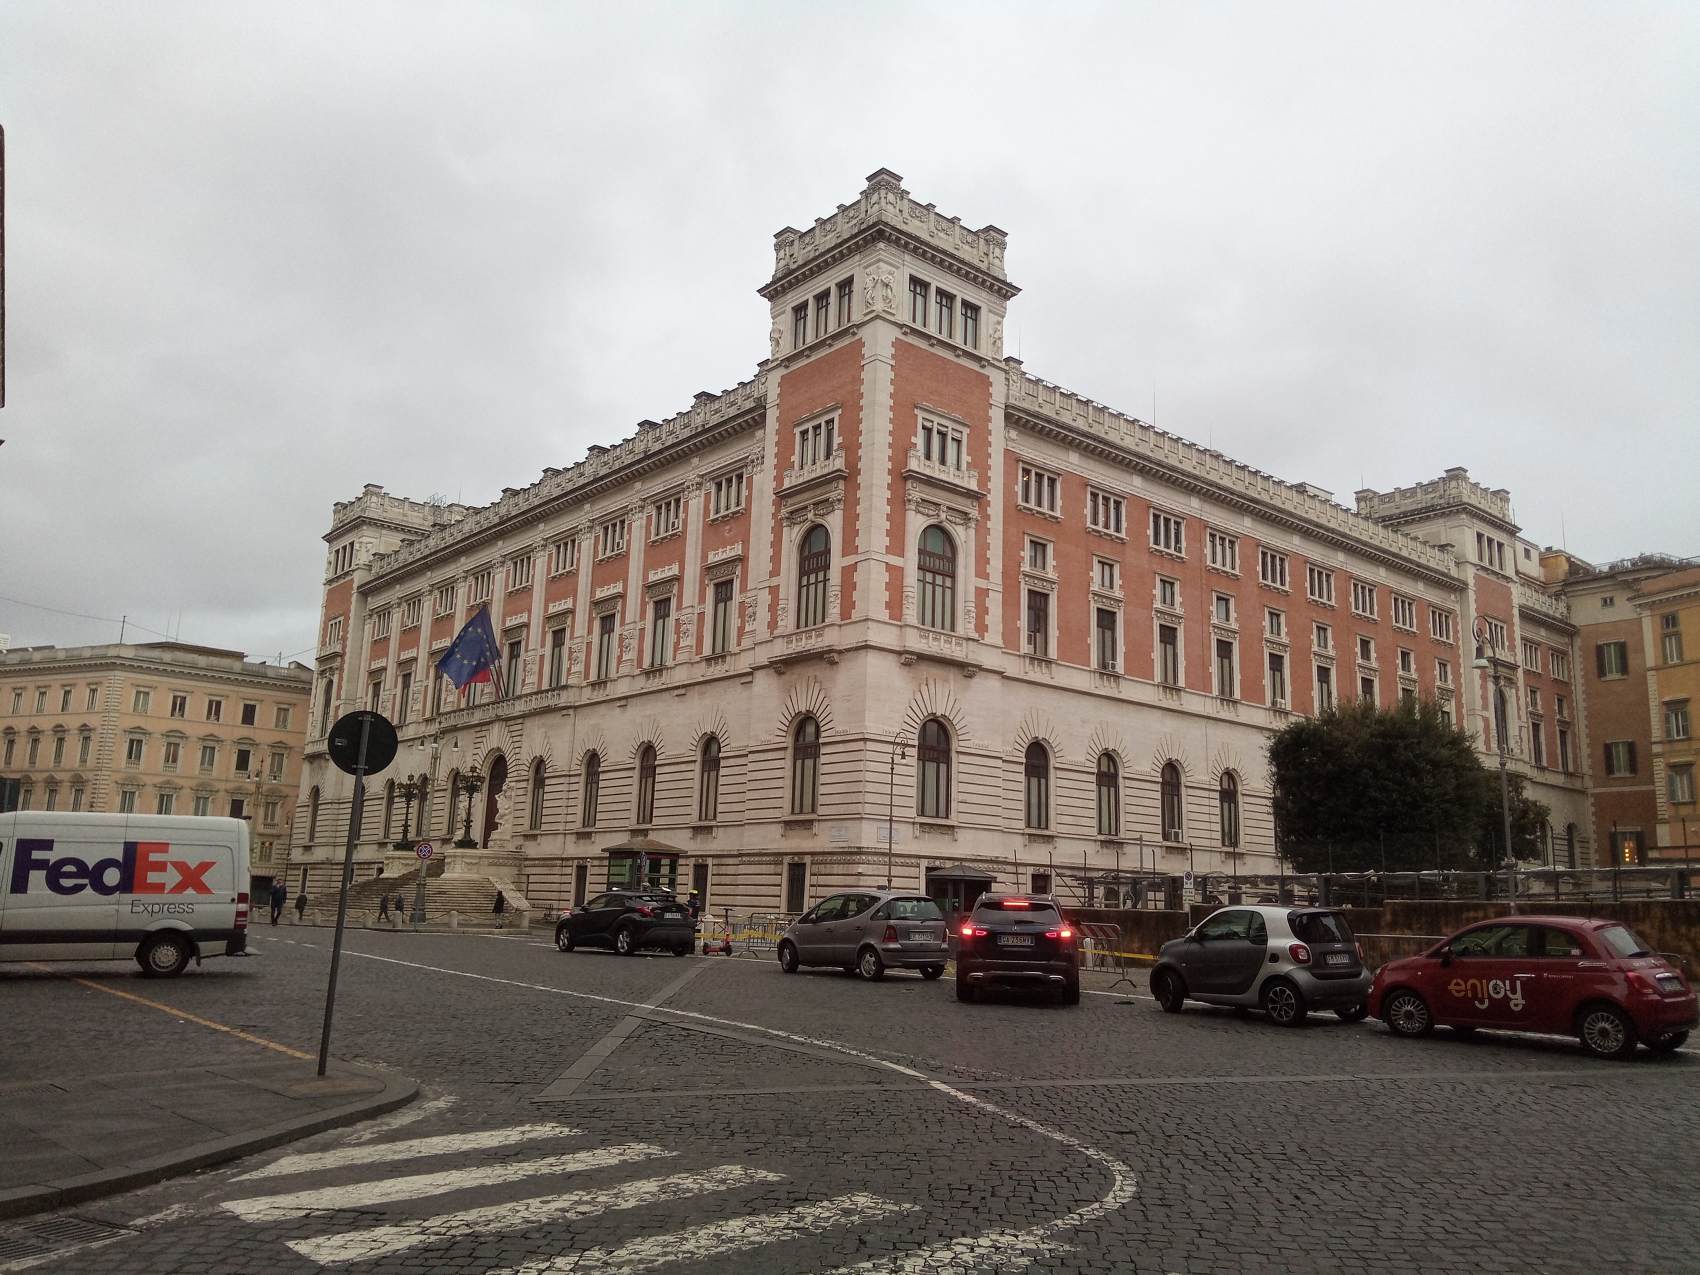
(643, 861)
(957, 888)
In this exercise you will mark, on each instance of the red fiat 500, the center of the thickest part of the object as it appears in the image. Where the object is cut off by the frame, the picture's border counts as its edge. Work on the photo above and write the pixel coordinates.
(1568, 976)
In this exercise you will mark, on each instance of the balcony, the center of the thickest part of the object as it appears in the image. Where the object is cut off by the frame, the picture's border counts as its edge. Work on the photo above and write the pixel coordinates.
(965, 480)
(821, 472)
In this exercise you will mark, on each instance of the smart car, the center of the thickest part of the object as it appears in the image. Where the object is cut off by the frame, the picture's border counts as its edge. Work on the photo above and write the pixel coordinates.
(1285, 960)
(1560, 975)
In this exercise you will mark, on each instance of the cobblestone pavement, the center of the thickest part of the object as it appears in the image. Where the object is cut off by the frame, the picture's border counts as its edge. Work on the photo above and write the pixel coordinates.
(758, 1122)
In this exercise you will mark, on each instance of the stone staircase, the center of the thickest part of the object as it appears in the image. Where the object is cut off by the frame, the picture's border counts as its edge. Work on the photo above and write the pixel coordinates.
(472, 897)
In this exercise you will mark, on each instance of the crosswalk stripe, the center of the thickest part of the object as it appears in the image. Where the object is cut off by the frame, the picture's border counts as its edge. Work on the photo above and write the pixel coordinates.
(272, 1208)
(341, 1157)
(1000, 1251)
(704, 1243)
(384, 1241)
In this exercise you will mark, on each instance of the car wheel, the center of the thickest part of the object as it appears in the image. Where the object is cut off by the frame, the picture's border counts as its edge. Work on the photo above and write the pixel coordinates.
(165, 955)
(564, 938)
(1070, 994)
(1668, 1043)
(1356, 1014)
(1169, 991)
(869, 965)
(1284, 1003)
(682, 950)
(965, 991)
(1407, 1014)
(625, 941)
(932, 971)
(1606, 1032)
(788, 957)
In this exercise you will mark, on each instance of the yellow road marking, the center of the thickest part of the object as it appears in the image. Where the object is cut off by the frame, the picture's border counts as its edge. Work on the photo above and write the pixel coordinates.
(188, 1017)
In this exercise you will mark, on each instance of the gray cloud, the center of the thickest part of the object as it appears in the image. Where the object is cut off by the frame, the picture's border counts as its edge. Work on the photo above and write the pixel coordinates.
(261, 254)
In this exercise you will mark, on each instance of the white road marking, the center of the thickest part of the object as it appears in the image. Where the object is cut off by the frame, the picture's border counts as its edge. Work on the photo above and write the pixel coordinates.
(274, 1208)
(401, 1119)
(1001, 1251)
(482, 1140)
(705, 1243)
(384, 1241)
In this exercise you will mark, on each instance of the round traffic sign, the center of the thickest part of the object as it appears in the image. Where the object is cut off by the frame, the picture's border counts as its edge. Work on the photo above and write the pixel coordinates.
(362, 742)
(423, 850)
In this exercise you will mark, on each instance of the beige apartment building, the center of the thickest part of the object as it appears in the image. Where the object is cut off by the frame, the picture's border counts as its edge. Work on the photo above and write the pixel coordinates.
(155, 728)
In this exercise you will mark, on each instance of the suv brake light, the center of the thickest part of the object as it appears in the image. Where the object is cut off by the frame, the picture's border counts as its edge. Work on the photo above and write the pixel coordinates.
(1017, 903)
(1360, 948)
(1065, 933)
(644, 910)
(971, 931)
(1299, 952)
(890, 935)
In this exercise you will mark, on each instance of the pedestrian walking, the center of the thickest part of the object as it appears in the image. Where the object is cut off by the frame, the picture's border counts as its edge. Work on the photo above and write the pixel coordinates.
(301, 906)
(501, 909)
(280, 893)
(400, 907)
(694, 903)
(383, 907)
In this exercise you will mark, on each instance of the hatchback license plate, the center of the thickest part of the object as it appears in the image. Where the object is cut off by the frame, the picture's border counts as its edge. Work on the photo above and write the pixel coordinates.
(1670, 982)
(1015, 940)
(1338, 958)
(920, 936)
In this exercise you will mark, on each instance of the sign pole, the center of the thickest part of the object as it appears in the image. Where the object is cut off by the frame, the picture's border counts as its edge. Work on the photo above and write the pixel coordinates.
(342, 897)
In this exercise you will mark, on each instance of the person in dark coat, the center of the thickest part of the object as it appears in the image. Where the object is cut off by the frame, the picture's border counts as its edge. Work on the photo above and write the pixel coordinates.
(280, 893)
(301, 906)
(383, 907)
(501, 908)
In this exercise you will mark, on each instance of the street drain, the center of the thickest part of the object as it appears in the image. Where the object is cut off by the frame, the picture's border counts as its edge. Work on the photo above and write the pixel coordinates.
(37, 1239)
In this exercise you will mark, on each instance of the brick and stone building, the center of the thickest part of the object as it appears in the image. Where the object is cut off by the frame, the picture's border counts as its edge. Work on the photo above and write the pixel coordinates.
(894, 580)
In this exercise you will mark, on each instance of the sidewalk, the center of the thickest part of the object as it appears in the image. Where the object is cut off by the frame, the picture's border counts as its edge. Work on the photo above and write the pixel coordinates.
(70, 1140)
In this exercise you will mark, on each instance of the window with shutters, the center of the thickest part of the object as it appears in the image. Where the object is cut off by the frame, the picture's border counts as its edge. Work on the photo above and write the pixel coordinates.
(1611, 659)
(1620, 757)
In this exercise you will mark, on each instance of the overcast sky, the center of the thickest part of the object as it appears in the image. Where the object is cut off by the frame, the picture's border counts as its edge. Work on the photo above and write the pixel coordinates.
(260, 254)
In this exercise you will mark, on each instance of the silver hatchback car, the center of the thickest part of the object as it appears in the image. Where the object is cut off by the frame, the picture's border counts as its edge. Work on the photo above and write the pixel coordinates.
(868, 932)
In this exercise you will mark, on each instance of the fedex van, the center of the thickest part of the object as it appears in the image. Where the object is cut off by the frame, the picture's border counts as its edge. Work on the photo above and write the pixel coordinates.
(165, 889)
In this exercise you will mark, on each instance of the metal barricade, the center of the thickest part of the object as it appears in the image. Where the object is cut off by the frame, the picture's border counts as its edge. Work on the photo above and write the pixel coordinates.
(1099, 945)
(758, 933)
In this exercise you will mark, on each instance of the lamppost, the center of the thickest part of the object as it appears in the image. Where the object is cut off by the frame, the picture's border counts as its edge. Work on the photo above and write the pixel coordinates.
(1492, 664)
(408, 791)
(899, 752)
(470, 783)
(418, 917)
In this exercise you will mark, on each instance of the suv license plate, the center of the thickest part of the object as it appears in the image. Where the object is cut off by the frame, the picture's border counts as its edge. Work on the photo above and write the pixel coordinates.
(920, 936)
(1338, 958)
(1015, 940)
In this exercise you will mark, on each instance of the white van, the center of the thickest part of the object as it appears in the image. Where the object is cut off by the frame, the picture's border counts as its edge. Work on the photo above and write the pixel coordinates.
(165, 889)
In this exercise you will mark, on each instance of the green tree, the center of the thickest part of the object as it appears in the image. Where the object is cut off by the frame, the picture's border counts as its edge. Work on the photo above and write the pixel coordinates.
(1359, 787)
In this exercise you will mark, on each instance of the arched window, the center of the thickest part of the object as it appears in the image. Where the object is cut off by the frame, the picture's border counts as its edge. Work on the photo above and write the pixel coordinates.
(592, 787)
(813, 567)
(313, 813)
(935, 594)
(389, 806)
(1038, 786)
(1173, 826)
(454, 801)
(1109, 796)
(932, 786)
(646, 785)
(1229, 798)
(805, 766)
(708, 780)
(538, 777)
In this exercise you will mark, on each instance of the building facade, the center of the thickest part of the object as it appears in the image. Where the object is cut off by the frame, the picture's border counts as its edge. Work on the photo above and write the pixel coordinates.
(894, 608)
(1669, 609)
(156, 728)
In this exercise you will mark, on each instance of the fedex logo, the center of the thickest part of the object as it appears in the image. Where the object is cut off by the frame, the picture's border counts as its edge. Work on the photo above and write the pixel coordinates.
(142, 868)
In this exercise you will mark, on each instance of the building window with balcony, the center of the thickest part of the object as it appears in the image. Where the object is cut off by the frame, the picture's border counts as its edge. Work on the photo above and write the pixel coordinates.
(935, 593)
(805, 766)
(944, 443)
(1039, 623)
(1109, 788)
(814, 566)
(722, 617)
(708, 780)
(1174, 827)
(1107, 645)
(1036, 767)
(726, 494)
(1228, 800)
(932, 780)
(557, 655)
(646, 786)
(1168, 655)
(606, 648)
(816, 442)
(660, 631)
(592, 790)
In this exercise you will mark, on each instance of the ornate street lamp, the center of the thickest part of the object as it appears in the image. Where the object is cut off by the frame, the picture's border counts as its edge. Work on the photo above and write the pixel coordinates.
(470, 783)
(408, 791)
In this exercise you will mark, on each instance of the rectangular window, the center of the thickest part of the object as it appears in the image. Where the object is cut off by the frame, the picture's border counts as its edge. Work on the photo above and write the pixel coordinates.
(722, 619)
(250, 714)
(1227, 686)
(58, 750)
(1223, 608)
(1363, 599)
(445, 599)
(203, 806)
(1407, 662)
(172, 756)
(375, 696)
(660, 631)
(513, 670)
(1611, 659)
(127, 801)
(1277, 679)
(1534, 699)
(1440, 625)
(1559, 664)
(1676, 719)
(944, 443)
(1038, 622)
(381, 623)
(1105, 512)
(437, 683)
(1168, 593)
(1039, 555)
(277, 762)
(1324, 687)
(480, 586)
(411, 612)
(1490, 552)
(281, 718)
(611, 538)
(65, 700)
(1670, 639)
(1564, 749)
(333, 632)
(799, 325)
(18, 701)
(605, 649)
(1275, 623)
(1366, 688)
(846, 290)
(666, 517)
(1168, 533)
(209, 757)
(244, 758)
(1537, 744)
(1620, 757)
(816, 443)
(1168, 654)
(1322, 637)
(404, 692)
(519, 572)
(1496, 635)
(132, 751)
(1109, 574)
(180, 706)
(557, 655)
(1108, 646)
(726, 495)
(1038, 489)
(823, 313)
(215, 710)
(77, 797)
(1532, 656)
(1272, 568)
(563, 555)
(238, 807)
(1366, 651)
(41, 700)
(1558, 707)
(84, 744)
(1223, 551)
(140, 703)
(971, 325)
(1319, 585)
(1679, 784)
(1404, 613)
(945, 310)
(271, 809)
(918, 295)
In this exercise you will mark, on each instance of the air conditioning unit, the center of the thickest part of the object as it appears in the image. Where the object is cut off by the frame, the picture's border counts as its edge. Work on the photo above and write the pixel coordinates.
(1173, 834)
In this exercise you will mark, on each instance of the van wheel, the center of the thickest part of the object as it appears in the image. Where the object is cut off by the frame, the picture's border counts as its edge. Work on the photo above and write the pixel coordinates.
(788, 957)
(869, 965)
(164, 956)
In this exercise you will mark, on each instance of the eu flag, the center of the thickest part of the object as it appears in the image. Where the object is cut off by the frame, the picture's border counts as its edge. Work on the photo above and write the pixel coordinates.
(473, 656)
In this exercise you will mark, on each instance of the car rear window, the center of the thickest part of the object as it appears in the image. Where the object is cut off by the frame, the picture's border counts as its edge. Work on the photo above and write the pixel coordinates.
(1621, 941)
(913, 910)
(1320, 927)
(1019, 907)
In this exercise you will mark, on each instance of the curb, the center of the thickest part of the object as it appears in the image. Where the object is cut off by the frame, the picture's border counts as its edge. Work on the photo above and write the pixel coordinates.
(398, 1091)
